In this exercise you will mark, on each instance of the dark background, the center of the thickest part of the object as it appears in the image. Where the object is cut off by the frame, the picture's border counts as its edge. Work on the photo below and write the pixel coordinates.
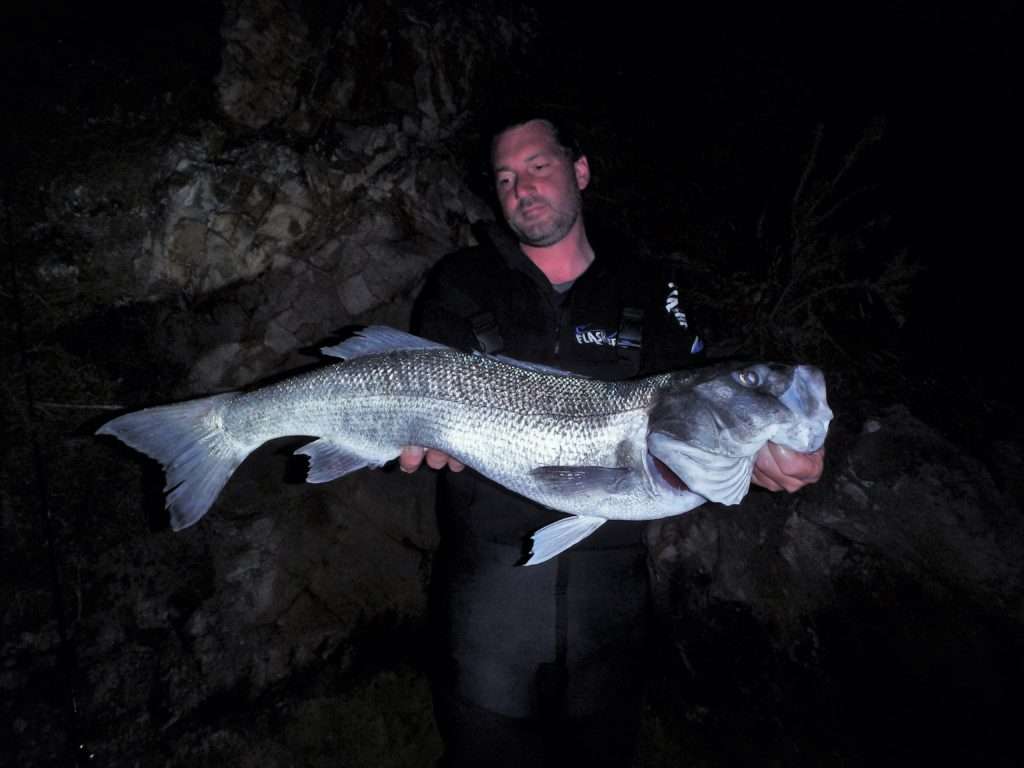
(727, 97)
(724, 97)
(700, 122)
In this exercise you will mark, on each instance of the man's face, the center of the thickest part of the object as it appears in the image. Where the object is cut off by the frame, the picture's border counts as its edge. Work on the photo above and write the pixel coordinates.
(537, 183)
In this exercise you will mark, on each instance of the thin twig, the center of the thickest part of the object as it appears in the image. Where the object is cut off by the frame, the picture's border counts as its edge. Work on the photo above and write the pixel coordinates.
(827, 289)
(868, 137)
(809, 165)
(818, 221)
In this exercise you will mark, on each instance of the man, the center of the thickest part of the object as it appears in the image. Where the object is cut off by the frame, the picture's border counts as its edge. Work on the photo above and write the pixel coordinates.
(544, 664)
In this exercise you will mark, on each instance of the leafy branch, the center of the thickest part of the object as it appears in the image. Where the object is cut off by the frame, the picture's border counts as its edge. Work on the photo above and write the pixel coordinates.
(831, 279)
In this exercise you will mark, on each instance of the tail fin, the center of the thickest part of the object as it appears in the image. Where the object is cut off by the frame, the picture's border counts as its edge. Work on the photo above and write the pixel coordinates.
(197, 455)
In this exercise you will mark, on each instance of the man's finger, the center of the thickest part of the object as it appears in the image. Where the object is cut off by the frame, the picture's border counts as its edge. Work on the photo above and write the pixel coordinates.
(802, 466)
(439, 460)
(778, 468)
(763, 480)
(410, 458)
(436, 459)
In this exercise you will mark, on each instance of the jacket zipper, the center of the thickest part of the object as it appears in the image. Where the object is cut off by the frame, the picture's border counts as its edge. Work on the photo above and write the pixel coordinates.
(559, 322)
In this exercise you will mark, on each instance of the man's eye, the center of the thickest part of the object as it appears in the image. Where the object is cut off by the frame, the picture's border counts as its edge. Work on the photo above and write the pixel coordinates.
(540, 166)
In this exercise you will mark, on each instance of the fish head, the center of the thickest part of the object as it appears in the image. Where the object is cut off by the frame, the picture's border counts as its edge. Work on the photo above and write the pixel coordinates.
(706, 427)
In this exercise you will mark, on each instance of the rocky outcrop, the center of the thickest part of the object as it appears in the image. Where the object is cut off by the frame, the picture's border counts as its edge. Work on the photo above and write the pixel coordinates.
(268, 248)
(858, 616)
(336, 178)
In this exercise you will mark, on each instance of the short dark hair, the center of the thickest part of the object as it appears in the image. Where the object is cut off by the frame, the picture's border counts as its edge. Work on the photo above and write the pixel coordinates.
(561, 126)
(492, 120)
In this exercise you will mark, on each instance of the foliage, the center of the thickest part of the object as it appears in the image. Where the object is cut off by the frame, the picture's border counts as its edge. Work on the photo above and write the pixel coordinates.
(831, 285)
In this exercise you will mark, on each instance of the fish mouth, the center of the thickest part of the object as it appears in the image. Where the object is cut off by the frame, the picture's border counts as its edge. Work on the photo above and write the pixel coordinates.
(805, 398)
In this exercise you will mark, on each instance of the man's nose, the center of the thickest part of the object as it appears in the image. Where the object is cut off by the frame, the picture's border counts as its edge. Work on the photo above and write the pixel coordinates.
(523, 187)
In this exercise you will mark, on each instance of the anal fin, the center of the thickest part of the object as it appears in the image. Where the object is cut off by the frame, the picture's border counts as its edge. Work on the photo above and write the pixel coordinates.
(329, 460)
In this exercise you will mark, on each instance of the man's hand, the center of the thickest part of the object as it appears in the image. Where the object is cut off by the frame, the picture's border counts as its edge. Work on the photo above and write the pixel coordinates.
(782, 469)
(412, 456)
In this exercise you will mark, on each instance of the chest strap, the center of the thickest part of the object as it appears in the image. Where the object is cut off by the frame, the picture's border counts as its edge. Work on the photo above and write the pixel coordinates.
(483, 323)
(488, 335)
(630, 337)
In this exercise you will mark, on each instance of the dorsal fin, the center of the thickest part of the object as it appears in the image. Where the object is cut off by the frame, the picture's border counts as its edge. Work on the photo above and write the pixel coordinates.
(378, 340)
(381, 339)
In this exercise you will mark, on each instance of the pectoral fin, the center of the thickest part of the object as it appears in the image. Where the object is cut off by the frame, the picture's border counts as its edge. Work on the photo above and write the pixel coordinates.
(581, 480)
(329, 460)
(557, 537)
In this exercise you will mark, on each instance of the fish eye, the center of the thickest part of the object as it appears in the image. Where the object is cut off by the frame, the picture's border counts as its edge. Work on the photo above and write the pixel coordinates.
(749, 378)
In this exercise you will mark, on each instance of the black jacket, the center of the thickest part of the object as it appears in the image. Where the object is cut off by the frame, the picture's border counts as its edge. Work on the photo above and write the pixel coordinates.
(493, 292)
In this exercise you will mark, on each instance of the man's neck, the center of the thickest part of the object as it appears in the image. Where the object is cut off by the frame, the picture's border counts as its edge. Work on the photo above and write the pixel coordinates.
(565, 260)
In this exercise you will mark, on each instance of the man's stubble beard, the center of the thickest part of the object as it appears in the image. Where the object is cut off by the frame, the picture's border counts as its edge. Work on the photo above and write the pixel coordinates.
(544, 233)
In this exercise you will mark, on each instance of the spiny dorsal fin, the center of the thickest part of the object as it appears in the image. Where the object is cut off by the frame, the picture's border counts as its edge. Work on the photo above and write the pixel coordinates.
(378, 340)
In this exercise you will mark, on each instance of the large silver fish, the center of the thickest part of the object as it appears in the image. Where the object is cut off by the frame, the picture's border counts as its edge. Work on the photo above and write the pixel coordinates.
(594, 449)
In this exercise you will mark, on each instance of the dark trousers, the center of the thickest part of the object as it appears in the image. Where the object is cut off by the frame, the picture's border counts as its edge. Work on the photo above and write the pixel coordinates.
(476, 737)
(541, 665)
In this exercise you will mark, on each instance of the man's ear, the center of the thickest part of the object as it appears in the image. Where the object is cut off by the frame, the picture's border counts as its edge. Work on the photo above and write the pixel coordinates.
(582, 170)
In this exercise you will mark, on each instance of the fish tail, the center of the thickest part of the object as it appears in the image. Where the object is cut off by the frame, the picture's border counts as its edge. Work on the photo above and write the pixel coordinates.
(198, 455)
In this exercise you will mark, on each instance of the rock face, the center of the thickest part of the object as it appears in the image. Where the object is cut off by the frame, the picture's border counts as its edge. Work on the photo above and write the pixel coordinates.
(876, 616)
(272, 249)
(334, 178)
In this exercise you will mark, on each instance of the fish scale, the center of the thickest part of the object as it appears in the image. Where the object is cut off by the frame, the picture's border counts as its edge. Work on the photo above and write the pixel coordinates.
(477, 380)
